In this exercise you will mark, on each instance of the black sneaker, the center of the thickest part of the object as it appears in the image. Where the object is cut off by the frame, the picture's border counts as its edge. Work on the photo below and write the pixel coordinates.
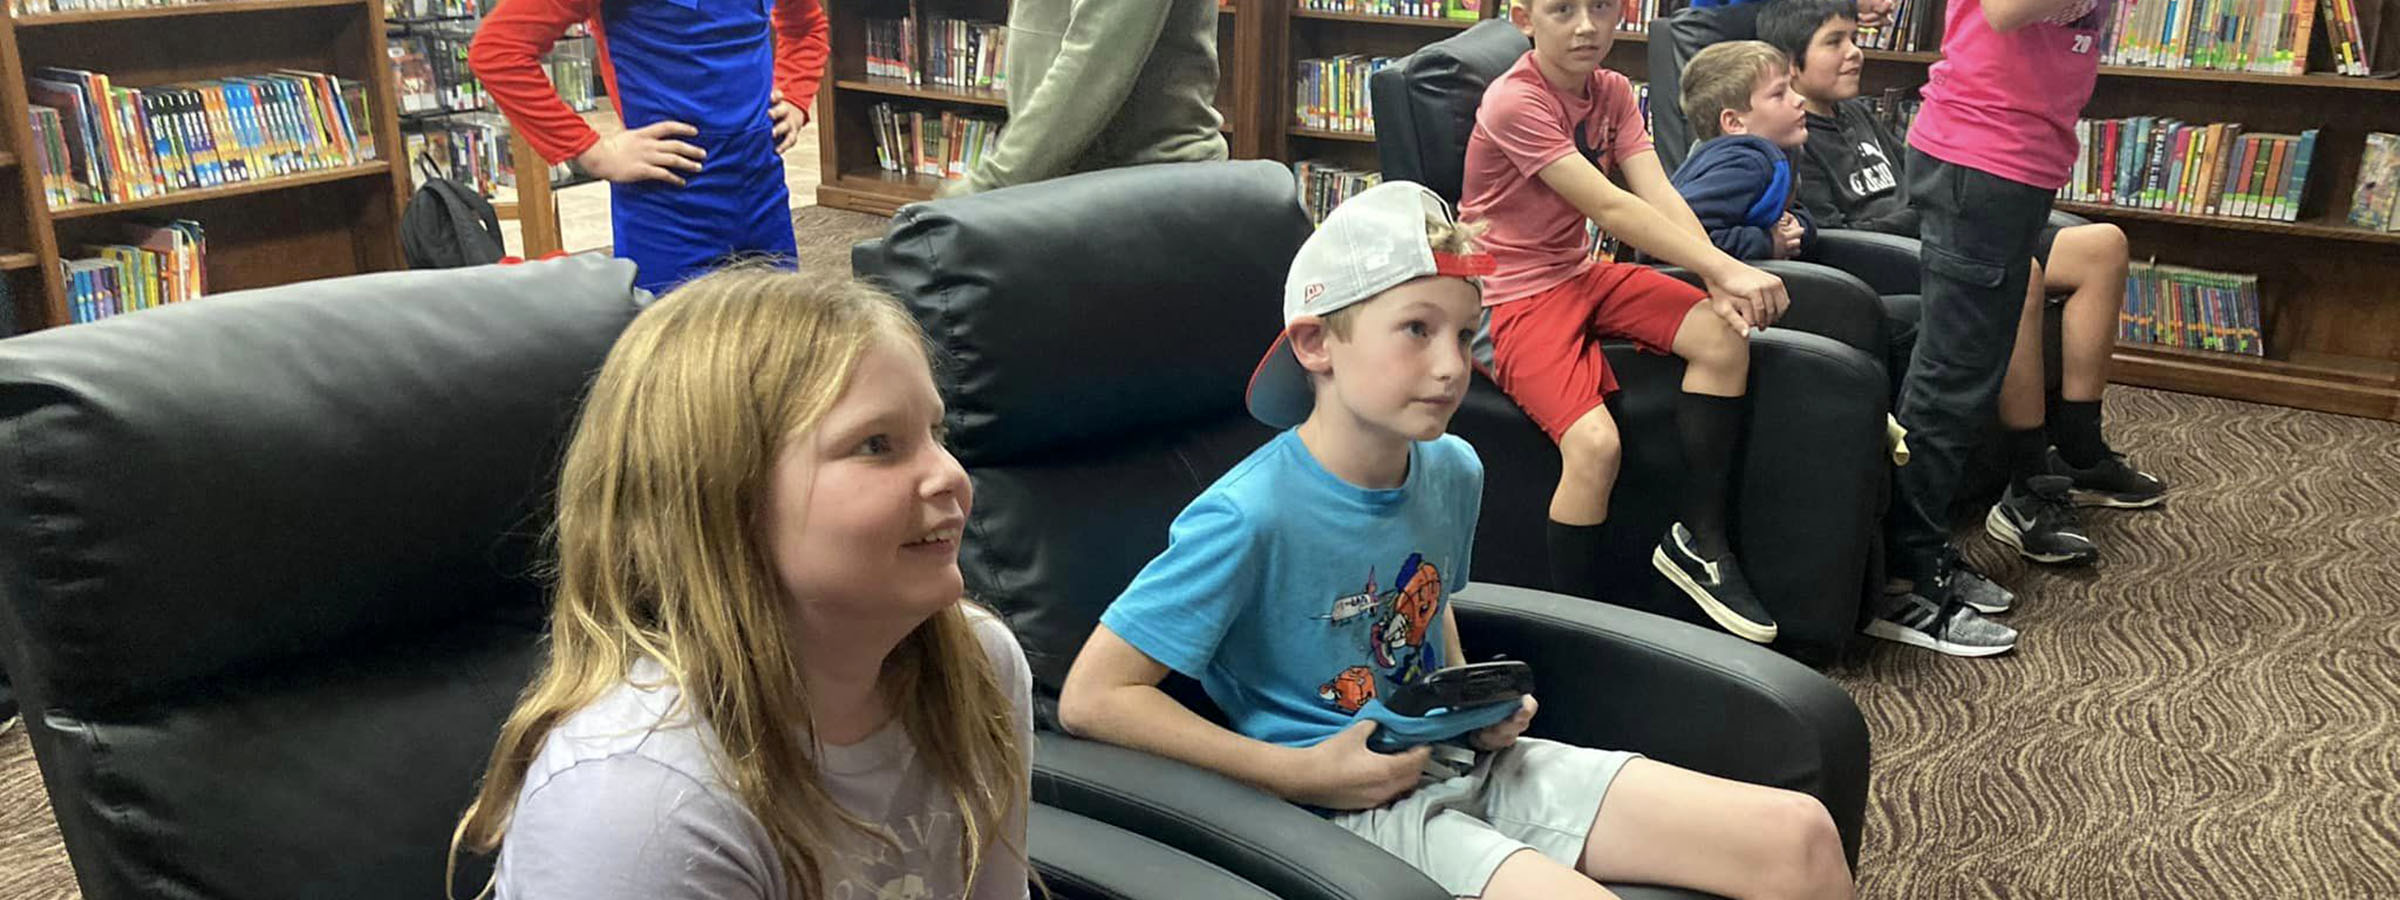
(2114, 481)
(1955, 628)
(2039, 520)
(1975, 589)
(1717, 586)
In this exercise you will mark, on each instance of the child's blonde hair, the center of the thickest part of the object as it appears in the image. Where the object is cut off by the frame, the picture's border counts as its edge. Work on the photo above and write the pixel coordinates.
(660, 555)
(1444, 237)
(1722, 77)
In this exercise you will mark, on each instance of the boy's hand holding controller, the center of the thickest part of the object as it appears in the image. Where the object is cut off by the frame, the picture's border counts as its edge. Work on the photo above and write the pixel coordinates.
(1340, 772)
(1500, 735)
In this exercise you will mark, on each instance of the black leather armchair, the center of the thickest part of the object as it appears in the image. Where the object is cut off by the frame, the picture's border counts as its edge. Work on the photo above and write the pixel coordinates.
(1812, 569)
(264, 579)
(1100, 330)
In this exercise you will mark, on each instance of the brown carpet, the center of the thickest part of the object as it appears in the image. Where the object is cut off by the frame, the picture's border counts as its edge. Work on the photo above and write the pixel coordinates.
(2212, 712)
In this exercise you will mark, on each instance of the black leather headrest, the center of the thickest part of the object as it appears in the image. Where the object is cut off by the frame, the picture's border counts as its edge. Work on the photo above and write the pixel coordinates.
(1091, 306)
(199, 487)
(1425, 104)
(1674, 40)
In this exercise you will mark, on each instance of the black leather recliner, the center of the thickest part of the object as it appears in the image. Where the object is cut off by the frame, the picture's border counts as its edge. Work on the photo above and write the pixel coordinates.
(1814, 570)
(264, 579)
(1099, 331)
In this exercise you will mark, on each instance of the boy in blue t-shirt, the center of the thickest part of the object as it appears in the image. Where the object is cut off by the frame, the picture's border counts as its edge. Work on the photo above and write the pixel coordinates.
(1314, 578)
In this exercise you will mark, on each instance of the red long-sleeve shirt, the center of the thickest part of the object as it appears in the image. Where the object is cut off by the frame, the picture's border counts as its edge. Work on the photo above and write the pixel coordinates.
(508, 49)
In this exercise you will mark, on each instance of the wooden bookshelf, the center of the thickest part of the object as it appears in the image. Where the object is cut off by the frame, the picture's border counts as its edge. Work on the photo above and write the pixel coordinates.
(849, 178)
(271, 231)
(211, 8)
(1373, 19)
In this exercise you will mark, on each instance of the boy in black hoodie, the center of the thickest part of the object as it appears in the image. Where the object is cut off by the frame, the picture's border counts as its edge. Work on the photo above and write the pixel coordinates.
(1853, 175)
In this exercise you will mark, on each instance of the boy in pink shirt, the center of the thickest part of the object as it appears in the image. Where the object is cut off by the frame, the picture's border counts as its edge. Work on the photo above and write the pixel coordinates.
(1991, 147)
(1544, 136)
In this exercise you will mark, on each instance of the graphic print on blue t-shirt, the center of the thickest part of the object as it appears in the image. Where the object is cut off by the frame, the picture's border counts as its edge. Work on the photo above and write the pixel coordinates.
(1398, 622)
(1297, 599)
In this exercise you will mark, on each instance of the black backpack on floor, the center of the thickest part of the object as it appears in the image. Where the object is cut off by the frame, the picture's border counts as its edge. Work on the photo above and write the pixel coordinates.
(447, 226)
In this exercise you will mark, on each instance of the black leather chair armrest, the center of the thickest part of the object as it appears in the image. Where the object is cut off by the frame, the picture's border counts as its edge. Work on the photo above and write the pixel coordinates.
(1677, 693)
(1886, 262)
(1825, 301)
(1258, 837)
(2064, 219)
(1085, 859)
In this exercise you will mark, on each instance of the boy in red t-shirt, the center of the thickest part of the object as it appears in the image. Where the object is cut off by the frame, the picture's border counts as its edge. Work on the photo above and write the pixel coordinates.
(1546, 132)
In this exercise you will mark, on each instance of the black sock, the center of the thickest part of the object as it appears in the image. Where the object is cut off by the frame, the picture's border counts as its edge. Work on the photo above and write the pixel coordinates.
(1710, 426)
(2076, 429)
(2026, 454)
(1575, 559)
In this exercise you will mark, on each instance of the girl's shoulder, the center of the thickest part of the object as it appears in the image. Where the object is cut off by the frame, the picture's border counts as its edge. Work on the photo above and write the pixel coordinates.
(639, 718)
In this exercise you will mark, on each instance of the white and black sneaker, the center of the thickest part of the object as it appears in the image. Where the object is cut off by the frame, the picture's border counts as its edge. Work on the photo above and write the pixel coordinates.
(1955, 628)
(2039, 520)
(2114, 481)
(1718, 586)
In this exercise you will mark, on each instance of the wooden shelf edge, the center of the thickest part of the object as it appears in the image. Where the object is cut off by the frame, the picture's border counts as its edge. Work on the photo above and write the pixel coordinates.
(7, 160)
(2254, 381)
(895, 88)
(13, 261)
(208, 8)
(1364, 137)
(345, 173)
(2296, 229)
(1375, 19)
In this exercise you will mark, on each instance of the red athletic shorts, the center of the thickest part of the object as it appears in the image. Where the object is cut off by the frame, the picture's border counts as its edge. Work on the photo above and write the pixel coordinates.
(1546, 348)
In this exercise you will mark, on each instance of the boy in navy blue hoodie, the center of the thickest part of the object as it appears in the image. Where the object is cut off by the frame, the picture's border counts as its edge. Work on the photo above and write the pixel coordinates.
(1738, 97)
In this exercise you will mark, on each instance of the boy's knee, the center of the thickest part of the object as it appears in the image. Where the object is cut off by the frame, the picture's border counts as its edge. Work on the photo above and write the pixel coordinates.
(1715, 345)
(1803, 846)
(2102, 244)
(1591, 443)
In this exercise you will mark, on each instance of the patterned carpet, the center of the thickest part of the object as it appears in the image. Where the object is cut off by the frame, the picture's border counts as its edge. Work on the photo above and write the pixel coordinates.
(2214, 711)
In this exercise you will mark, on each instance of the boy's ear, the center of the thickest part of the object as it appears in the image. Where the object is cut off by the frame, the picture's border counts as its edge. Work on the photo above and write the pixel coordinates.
(1309, 337)
(1519, 16)
(1729, 121)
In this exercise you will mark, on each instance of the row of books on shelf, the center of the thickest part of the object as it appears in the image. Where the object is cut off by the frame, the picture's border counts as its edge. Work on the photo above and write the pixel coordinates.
(2194, 309)
(43, 7)
(2376, 201)
(957, 53)
(1910, 20)
(944, 145)
(1638, 14)
(408, 10)
(1331, 94)
(430, 73)
(1324, 185)
(2150, 162)
(98, 143)
(2265, 36)
(1468, 10)
(470, 149)
(157, 264)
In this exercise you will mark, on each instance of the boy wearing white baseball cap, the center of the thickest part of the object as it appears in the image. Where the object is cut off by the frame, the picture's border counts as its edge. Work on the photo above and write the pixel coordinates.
(1313, 580)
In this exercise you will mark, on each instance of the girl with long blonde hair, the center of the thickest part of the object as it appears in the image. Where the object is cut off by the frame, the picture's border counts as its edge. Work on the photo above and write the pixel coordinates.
(762, 681)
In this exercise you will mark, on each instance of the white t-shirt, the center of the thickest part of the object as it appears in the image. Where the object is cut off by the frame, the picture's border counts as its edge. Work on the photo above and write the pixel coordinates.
(624, 803)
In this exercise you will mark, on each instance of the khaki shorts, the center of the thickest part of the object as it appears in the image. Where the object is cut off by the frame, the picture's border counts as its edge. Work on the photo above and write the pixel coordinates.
(1536, 795)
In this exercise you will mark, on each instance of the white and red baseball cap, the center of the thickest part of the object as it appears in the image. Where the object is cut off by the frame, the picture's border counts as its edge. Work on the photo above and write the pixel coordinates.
(1373, 242)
